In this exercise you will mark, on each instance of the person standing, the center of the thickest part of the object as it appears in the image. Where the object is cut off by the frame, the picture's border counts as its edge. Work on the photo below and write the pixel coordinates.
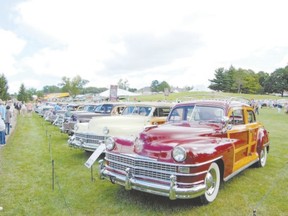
(8, 118)
(2, 132)
(2, 110)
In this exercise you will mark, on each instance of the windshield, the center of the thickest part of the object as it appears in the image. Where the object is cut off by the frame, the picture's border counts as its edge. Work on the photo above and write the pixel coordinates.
(137, 110)
(196, 113)
(89, 108)
(105, 108)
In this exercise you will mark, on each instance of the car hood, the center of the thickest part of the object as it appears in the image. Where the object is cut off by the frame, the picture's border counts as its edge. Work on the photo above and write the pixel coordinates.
(117, 125)
(159, 142)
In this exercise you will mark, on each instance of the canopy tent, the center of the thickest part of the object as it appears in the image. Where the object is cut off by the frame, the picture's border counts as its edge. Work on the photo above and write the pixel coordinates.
(120, 93)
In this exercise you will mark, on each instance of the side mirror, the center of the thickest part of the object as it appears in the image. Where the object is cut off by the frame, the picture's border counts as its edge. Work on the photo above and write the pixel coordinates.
(226, 121)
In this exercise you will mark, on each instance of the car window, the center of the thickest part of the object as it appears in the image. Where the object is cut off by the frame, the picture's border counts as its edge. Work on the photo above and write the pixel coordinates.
(181, 113)
(128, 110)
(206, 113)
(237, 117)
(118, 110)
(89, 108)
(196, 113)
(137, 110)
(105, 108)
(161, 112)
(251, 116)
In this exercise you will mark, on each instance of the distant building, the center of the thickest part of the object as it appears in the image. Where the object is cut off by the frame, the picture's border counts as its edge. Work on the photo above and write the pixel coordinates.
(145, 91)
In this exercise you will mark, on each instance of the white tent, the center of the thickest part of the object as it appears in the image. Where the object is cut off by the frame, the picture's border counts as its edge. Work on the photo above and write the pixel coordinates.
(120, 93)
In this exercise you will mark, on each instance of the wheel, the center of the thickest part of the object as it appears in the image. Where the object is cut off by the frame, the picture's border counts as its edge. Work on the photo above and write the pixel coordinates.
(262, 158)
(212, 182)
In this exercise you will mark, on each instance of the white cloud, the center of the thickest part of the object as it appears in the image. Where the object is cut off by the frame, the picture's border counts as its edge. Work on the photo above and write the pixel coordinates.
(182, 42)
(11, 46)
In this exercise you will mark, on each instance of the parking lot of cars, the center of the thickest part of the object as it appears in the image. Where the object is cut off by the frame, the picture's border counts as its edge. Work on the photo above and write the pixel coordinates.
(181, 151)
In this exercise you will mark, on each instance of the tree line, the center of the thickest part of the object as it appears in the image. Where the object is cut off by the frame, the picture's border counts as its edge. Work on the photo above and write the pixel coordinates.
(247, 81)
(226, 80)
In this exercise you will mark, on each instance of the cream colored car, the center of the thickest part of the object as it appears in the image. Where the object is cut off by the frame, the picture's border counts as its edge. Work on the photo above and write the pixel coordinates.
(134, 118)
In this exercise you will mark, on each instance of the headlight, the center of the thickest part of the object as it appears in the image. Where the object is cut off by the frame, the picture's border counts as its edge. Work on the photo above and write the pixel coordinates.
(76, 127)
(105, 130)
(179, 154)
(110, 143)
(138, 144)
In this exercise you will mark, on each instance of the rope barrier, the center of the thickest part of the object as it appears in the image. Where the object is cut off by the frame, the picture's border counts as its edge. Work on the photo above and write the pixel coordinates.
(55, 177)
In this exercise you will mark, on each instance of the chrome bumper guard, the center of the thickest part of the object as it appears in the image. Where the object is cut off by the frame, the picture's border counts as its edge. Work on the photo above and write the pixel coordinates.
(172, 191)
(73, 143)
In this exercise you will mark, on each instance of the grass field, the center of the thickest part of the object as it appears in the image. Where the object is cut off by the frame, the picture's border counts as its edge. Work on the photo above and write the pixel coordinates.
(27, 188)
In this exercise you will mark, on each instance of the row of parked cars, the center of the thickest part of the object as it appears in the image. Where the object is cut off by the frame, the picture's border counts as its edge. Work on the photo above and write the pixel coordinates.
(180, 151)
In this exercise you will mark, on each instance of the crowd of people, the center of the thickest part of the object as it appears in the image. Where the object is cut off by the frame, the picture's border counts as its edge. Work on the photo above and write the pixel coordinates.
(279, 104)
(6, 115)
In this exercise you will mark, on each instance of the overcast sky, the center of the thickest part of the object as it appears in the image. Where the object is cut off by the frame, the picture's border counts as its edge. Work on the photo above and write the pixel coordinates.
(181, 42)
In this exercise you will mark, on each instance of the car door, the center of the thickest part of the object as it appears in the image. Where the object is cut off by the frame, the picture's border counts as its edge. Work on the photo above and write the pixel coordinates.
(240, 135)
(252, 126)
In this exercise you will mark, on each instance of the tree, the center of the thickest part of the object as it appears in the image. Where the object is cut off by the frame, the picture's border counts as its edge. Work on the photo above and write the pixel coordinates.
(4, 88)
(251, 83)
(22, 95)
(163, 85)
(154, 86)
(132, 89)
(188, 88)
(159, 87)
(217, 84)
(278, 81)
(51, 89)
(123, 84)
(94, 90)
(74, 86)
(238, 81)
(223, 80)
(262, 77)
(32, 92)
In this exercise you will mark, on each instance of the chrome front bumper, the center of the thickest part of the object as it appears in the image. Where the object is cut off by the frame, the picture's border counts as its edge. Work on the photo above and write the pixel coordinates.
(72, 142)
(172, 191)
(90, 146)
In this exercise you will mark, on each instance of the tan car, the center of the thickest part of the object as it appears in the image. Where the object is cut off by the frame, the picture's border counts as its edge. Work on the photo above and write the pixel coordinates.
(134, 118)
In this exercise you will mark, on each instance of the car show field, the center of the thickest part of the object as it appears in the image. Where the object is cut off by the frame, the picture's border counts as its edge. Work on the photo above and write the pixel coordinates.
(41, 175)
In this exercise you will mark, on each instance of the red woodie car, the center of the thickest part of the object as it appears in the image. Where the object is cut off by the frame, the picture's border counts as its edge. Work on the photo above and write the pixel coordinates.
(202, 143)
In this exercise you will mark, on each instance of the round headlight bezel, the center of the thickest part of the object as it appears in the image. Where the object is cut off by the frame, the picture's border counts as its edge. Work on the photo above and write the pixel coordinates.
(110, 143)
(138, 144)
(179, 154)
(76, 127)
(105, 130)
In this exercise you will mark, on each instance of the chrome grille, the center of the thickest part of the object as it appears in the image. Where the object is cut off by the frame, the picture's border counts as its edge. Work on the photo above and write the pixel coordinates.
(89, 138)
(140, 167)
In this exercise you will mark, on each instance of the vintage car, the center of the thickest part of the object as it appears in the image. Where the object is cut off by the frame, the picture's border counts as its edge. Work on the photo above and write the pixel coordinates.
(202, 143)
(85, 115)
(133, 119)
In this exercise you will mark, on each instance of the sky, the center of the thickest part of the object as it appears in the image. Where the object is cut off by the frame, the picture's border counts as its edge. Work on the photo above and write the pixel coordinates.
(181, 42)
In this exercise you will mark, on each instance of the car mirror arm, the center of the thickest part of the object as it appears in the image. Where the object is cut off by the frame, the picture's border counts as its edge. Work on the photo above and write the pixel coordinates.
(226, 123)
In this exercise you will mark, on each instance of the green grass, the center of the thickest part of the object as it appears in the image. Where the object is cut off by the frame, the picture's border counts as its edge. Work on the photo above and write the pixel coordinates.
(26, 179)
(198, 95)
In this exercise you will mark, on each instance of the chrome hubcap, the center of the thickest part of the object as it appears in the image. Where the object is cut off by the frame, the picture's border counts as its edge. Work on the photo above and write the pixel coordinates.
(210, 183)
